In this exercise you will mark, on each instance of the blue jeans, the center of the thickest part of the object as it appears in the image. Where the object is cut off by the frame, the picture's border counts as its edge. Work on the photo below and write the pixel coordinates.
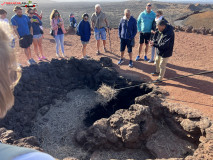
(59, 39)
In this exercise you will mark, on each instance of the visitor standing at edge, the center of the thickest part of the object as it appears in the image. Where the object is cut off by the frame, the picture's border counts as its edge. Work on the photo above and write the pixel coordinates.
(144, 25)
(99, 22)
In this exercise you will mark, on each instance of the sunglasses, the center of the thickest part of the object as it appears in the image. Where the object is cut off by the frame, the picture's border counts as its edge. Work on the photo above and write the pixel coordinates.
(149, 5)
(56, 14)
(157, 15)
(31, 13)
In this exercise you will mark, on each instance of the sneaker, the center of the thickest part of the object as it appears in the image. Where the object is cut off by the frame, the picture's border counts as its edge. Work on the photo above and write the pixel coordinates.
(151, 61)
(120, 61)
(87, 56)
(29, 62)
(157, 81)
(130, 64)
(137, 58)
(57, 55)
(33, 61)
(145, 58)
(63, 54)
(40, 59)
(44, 58)
(155, 74)
(98, 53)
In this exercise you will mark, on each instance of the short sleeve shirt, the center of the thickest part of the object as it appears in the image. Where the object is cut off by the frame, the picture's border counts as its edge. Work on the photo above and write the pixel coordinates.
(23, 24)
(99, 20)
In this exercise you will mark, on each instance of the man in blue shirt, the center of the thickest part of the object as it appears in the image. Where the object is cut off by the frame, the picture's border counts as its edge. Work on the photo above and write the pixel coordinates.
(22, 27)
(144, 25)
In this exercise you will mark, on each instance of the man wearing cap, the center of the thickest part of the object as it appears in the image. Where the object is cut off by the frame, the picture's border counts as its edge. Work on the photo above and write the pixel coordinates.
(164, 44)
(21, 25)
(144, 25)
(99, 22)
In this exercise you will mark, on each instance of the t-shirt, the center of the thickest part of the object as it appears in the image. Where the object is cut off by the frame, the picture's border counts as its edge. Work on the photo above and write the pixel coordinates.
(23, 23)
(60, 31)
(99, 19)
(34, 156)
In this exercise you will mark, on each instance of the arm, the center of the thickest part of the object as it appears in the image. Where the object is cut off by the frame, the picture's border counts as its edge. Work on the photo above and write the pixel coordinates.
(16, 32)
(119, 29)
(139, 23)
(134, 32)
(92, 22)
(153, 25)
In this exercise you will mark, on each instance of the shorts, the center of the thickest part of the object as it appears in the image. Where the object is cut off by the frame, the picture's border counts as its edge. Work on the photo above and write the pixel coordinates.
(38, 36)
(84, 42)
(145, 37)
(100, 33)
(26, 41)
(124, 43)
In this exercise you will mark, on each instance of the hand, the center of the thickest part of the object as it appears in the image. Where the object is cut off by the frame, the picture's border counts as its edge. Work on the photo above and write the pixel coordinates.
(151, 43)
(60, 23)
(31, 20)
(153, 32)
(37, 21)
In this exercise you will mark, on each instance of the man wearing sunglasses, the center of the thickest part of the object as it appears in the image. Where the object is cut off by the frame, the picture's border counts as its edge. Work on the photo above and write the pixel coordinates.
(144, 25)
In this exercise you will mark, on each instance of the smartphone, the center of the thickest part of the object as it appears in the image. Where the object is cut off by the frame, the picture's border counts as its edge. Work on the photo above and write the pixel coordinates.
(34, 20)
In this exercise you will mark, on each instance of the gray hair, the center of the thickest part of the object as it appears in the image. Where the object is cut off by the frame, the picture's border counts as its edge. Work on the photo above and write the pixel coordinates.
(126, 11)
(98, 5)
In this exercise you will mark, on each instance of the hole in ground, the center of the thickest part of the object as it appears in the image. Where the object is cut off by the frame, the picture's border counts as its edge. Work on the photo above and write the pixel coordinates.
(124, 99)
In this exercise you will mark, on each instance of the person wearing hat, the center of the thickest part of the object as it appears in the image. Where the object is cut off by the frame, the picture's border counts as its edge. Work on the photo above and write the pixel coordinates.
(144, 25)
(84, 31)
(22, 28)
(164, 44)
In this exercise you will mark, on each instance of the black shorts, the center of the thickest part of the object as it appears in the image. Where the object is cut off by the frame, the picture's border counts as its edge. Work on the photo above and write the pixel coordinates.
(124, 43)
(26, 41)
(145, 37)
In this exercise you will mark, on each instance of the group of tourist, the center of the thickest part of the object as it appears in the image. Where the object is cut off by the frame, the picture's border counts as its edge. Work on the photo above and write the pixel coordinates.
(154, 30)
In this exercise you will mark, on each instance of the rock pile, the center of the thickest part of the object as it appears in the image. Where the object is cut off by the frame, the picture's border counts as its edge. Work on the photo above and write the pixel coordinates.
(163, 130)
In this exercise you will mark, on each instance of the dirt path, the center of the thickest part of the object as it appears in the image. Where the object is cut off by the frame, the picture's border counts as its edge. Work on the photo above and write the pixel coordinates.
(192, 54)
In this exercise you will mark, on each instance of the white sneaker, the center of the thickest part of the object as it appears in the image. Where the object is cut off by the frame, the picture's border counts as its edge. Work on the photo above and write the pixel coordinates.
(63, 54)
(151, 61)
(57, 55)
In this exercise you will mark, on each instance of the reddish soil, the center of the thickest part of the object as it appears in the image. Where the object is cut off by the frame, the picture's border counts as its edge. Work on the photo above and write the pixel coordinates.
(192, 54)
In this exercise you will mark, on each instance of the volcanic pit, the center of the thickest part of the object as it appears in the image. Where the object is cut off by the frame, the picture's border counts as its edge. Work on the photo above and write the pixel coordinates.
(75, 109)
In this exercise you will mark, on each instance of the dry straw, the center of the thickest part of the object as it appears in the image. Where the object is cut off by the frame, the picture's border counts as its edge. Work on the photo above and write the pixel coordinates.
(106, 94)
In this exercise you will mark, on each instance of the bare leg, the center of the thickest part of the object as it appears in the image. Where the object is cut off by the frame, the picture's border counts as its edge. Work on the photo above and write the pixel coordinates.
(140, 49)
(98, 45)
(130, 56)
(35, 44)
(40, 47)
(84, 50)
(104, 43)
(27, 53)
(122, 55)
(146, 49)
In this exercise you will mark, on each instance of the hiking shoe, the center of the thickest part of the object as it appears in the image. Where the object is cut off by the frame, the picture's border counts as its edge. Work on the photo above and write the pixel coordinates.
(44, 58)
(130, 64)
(137, 58)
(145, 58)
(151, 61)
(155, 74)
(157, 81)
(98, 53)
(120, 61)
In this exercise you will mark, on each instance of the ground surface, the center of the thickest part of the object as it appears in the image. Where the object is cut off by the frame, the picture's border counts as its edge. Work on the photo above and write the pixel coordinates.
(205, 20)
(192, 54)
